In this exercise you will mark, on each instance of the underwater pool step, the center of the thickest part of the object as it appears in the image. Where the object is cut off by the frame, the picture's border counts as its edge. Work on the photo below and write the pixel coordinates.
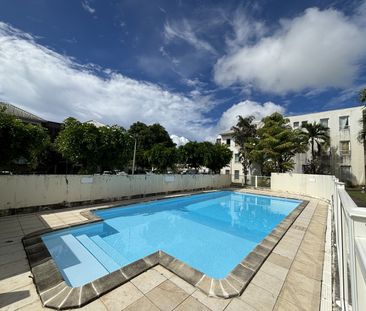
(110, 251)
(98, 253)
(81, 272)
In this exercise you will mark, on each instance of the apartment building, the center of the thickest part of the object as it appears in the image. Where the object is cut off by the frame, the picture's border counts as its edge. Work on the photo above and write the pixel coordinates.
(345, 156)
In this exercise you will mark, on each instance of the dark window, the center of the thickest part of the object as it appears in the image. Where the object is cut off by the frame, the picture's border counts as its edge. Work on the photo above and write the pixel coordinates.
(228, 141)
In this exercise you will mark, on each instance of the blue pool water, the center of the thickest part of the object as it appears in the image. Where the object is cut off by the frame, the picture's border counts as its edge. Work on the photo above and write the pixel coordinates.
(211, 232)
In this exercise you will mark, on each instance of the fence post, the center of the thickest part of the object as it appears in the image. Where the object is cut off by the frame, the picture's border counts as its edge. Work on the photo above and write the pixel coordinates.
(256, 181)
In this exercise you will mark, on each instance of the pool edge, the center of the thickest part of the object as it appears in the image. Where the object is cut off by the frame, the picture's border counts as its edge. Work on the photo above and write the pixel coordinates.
(56, 294)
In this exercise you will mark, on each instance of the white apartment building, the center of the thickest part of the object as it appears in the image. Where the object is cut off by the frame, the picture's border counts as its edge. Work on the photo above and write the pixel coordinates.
(346, 154)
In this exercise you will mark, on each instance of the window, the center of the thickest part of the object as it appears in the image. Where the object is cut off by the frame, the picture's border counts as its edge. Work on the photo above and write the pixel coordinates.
(345, 147)
(218, 141)
(324, 122)
(236, 174)
(303, 123)
(296, 124)
(236, 157)
(343, 122)
(227, 172)
(228, 142)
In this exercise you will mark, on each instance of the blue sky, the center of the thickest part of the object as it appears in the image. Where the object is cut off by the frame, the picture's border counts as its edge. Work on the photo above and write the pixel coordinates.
(192, 66)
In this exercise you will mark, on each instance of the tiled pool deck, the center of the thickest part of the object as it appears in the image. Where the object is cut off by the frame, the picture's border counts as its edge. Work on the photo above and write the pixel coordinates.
(290, 278)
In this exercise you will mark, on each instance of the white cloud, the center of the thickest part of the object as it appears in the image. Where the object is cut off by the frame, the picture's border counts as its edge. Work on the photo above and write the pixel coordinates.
(179, 140)
(55, 86)
(87, 7)
(184, 31)
(318, 49)
(245, 109)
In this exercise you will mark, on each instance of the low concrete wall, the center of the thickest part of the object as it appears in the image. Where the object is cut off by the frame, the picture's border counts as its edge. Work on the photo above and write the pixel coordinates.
(18, 191)
(318, 186)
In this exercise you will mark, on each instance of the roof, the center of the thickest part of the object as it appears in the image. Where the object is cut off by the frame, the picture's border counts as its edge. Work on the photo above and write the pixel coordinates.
(96, 123)
(20, 113)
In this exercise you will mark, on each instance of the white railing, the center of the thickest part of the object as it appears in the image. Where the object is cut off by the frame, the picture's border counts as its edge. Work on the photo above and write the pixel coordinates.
(255, 181)
(350, 234)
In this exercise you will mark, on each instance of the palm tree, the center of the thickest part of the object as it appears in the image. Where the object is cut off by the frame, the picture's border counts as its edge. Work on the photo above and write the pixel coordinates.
(244, 133)
(362, 133)
(318, 135)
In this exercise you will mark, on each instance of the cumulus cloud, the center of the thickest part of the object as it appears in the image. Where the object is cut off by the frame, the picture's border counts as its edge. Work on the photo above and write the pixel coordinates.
(179, 140)
(318, 49)
(55, 86)
(245, 109)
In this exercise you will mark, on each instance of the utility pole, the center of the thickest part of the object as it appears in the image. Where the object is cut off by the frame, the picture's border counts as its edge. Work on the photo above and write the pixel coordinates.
(134, 157)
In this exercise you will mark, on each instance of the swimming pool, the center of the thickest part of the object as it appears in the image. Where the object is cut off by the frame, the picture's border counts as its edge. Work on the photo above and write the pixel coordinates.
(210, 232)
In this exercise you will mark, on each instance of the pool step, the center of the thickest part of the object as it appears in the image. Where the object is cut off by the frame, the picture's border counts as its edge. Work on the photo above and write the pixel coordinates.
(110, 251)
(85, 268)
(98, 253)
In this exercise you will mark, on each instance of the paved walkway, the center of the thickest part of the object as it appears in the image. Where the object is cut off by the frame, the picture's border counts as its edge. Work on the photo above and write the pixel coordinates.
(290, 279)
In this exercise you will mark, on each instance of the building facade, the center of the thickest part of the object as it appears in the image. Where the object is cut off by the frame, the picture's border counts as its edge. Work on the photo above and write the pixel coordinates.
(345, 156)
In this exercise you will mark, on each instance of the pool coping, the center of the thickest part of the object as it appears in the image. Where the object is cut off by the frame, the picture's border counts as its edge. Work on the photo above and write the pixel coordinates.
(56, 294)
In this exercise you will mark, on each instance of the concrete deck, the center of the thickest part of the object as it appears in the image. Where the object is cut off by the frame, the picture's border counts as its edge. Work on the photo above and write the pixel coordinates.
(290, 278)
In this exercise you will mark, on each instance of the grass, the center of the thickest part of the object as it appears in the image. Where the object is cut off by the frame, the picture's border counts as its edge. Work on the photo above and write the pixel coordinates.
(357, 196)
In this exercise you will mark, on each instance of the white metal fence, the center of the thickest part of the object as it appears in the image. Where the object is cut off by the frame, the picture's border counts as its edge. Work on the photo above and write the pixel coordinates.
(350, 235)
(251, 180)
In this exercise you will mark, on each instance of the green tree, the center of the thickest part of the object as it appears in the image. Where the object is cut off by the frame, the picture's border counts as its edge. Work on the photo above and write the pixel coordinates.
(147, 136)
(79, 143)
(20, 143)
(318, 138)
(192, 154)
(216, 156)
(116, 147)
(93, 148)
(278, 143)
(162, 157)
(244, 135)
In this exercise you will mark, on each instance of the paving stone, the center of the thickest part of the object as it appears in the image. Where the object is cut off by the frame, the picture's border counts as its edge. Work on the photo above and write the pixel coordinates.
(239, 305)
(215, 304)
(142, 304)
(96, 305)
(274, 270)
(13, 300)
(167, 295)
(295, 295)
(191, 304)
(13, 269)
(121, 297)
(14, 282)
(258, 298)
(303, 283)
(148, 280)
(268, 282)
(286, 250)
(165, 272)
(188, 288)
(11, 257)
(284, 305)
(313, 270)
